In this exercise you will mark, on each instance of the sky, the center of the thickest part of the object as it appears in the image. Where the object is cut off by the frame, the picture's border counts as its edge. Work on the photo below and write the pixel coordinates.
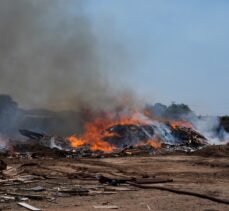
(177, 51)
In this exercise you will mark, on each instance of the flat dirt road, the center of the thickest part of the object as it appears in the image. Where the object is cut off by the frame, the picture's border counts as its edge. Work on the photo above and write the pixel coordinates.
(208, 176)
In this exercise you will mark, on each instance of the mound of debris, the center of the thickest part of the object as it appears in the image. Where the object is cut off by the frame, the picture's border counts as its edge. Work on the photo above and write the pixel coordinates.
(130, 134)
(142, 133)
(128, 139)
(188, 136)
(213, 151)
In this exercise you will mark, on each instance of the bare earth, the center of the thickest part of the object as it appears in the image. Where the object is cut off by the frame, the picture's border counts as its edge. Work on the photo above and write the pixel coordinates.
(202, 175)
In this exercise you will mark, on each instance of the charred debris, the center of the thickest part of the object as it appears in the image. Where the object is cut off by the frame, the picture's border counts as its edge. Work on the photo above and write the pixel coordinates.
(137, 136)
(39, 174)
(128, 139)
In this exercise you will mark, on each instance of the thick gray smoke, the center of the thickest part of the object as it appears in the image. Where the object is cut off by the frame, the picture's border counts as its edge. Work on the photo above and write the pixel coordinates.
(49, 56)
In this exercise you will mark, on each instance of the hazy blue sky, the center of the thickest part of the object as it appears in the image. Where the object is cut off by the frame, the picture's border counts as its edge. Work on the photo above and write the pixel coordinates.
(177, 50)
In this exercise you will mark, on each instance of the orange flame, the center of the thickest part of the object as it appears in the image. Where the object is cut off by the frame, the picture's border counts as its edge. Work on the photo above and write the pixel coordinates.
(155, 144)
(92, 137)
(95, 131)
(175, 124)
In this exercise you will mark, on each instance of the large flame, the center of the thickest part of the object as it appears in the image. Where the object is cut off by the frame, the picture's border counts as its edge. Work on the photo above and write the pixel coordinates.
(96, 130)
(93, 136)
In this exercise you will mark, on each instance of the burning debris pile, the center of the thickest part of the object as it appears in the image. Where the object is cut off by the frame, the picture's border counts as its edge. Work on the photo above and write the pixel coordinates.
(122, 131)
(106, 137)
(31, 168)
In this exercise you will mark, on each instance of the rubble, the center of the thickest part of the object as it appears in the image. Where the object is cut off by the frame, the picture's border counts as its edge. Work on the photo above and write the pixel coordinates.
(218, 151)
(16, 185)
(189, 137)
(33, 179)
(48, 180)
(44, 181)
(129, 140)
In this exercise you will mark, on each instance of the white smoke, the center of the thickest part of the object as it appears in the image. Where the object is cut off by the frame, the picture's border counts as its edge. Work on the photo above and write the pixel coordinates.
(210, 127)
(3, 142)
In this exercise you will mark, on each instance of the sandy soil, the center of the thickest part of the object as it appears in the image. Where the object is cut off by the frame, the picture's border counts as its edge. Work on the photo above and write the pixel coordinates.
(203, 175)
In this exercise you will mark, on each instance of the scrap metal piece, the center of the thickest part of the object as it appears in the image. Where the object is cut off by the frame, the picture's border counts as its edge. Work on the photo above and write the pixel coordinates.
(31, 134)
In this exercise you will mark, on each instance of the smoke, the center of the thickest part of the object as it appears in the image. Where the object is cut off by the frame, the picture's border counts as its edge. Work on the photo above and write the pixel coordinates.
(209, 126)
(49, 56)
(3, 143)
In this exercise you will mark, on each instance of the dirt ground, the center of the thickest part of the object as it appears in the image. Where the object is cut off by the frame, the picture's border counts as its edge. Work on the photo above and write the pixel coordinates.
(207, 175)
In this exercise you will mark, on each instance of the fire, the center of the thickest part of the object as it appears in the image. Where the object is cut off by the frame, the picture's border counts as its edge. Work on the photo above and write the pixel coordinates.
(92, 137)
(76, 142)
(155, 144)
(175, 124)
(95, 144)
(95, 131)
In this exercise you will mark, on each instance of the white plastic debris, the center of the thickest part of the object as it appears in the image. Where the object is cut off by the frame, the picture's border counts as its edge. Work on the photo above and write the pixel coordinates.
(27, 206)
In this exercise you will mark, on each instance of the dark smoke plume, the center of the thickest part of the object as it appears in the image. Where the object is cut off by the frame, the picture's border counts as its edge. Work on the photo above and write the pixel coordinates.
(49, 56)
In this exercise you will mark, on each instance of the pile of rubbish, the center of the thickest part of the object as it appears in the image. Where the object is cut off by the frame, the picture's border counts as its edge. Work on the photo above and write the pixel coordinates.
(128, 140)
